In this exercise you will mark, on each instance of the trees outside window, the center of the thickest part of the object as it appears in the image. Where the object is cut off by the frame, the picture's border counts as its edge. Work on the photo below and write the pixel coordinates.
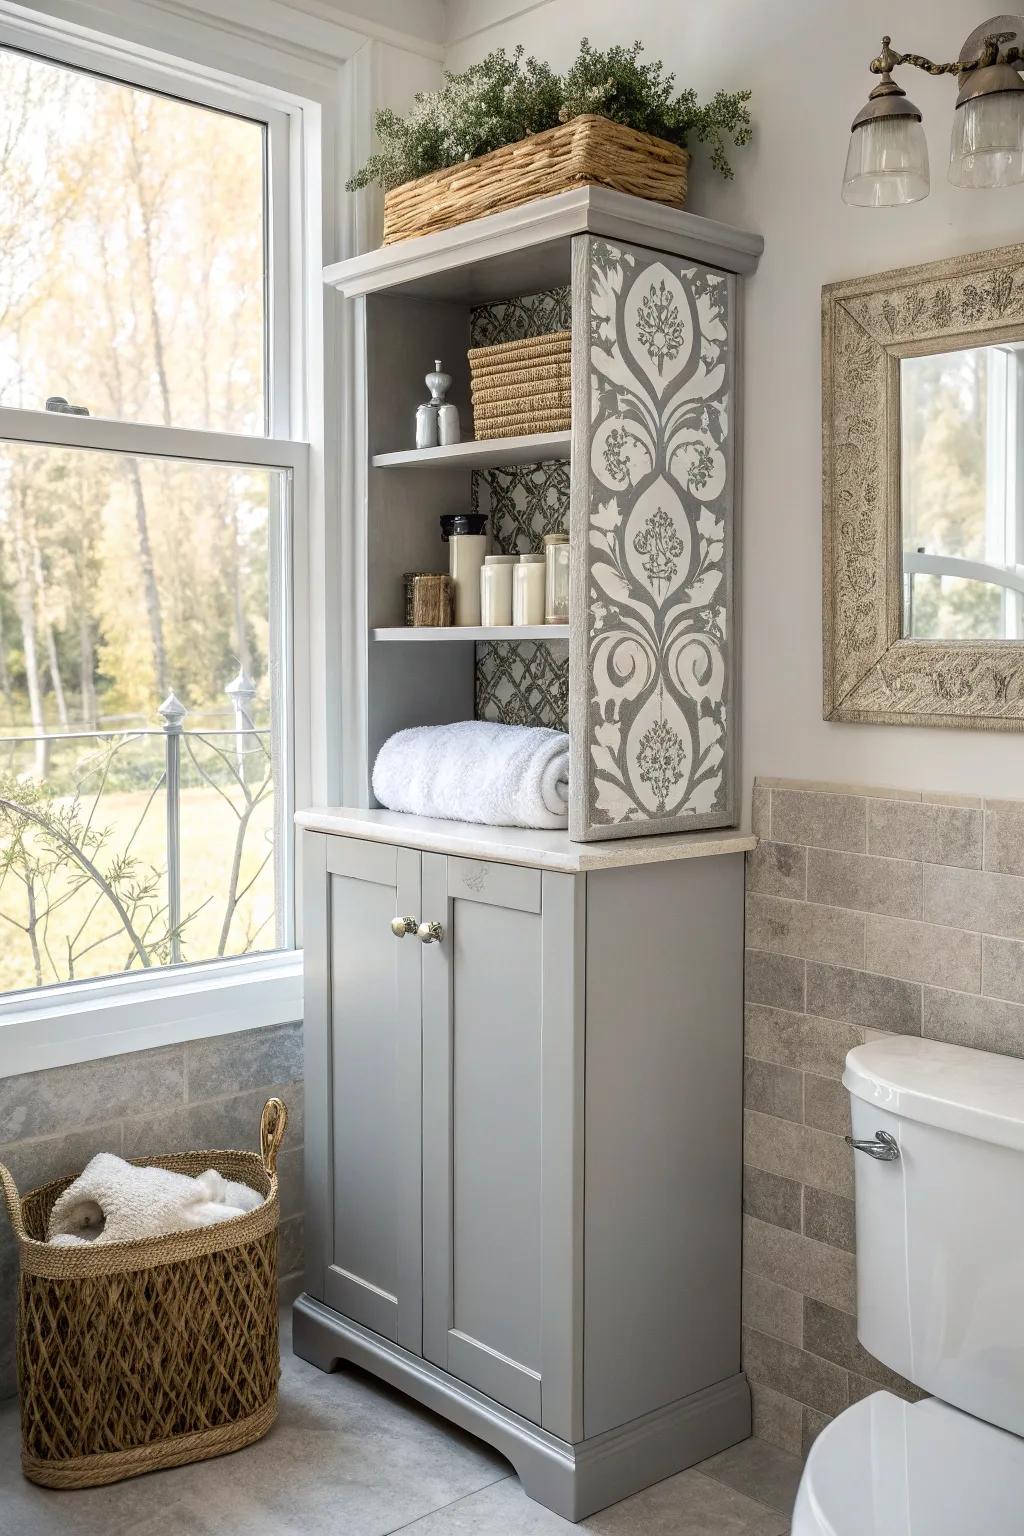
(142, 648)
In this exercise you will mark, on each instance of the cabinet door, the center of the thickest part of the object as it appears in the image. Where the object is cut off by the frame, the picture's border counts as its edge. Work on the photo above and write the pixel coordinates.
(502, 999)
(373, 1261)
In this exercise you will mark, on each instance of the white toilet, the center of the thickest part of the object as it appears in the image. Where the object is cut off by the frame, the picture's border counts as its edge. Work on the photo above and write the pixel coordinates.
(940, 1298)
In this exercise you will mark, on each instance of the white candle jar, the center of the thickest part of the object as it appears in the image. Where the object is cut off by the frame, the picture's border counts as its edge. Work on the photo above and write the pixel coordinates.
(465, 533)
(528, 590)
(496, 590)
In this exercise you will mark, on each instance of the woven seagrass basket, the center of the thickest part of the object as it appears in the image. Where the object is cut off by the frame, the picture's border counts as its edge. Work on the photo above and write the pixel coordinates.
(521, 387)
(154, 1353)
(586, 150)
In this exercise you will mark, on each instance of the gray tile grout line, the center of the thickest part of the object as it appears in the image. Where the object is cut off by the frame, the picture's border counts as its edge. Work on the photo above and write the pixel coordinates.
(71, 1130)
(511, 1476)
(408, 1525)
(721, 1483)
(881, 975)
(147, 1116)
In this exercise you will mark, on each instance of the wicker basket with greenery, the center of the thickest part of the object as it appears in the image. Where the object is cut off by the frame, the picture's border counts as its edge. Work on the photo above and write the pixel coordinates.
(510, 129)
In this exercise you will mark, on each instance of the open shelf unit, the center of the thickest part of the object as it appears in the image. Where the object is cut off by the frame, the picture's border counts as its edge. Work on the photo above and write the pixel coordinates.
(650, 518)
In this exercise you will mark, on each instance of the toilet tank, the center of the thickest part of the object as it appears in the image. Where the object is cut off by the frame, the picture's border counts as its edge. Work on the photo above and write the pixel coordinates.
(940, 1230)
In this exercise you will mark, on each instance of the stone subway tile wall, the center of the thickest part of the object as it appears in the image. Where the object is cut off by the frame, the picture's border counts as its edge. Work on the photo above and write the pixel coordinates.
(868, 912)
(176, 1098)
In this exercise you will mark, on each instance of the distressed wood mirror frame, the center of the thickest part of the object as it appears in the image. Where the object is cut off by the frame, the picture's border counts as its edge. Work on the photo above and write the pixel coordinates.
(869, 324)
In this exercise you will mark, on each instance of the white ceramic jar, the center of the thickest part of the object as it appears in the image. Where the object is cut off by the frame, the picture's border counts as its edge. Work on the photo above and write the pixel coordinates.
(496, 590)
(467, 552)
(528, 590)
(556, 583)
(465, 533)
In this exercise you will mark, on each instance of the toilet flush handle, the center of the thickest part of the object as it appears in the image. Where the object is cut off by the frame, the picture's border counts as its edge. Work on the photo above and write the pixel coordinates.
(883, 1147)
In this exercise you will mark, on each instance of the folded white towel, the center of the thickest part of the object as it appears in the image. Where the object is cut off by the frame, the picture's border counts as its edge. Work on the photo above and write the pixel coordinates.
(477, 770)
(113, 1202)
(222, 1191)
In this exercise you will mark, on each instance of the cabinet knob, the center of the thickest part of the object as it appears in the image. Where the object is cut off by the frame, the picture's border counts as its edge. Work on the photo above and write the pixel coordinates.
(430, 933)
(400, 926)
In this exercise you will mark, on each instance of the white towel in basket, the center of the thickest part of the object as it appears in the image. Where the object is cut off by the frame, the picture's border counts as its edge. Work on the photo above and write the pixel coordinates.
(113, 1202)
(477, 770)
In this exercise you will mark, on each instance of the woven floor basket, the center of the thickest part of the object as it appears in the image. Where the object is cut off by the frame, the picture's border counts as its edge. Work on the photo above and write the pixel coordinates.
(587, 150)
(135, 1356)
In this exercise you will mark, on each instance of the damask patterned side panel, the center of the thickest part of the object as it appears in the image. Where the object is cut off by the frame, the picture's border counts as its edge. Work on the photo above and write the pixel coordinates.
(523, 682)
(652, 541)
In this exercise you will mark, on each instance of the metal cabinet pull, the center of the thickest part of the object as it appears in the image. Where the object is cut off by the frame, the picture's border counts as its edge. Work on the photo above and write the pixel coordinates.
(883, 1147)
(400, 926)
(430, 933)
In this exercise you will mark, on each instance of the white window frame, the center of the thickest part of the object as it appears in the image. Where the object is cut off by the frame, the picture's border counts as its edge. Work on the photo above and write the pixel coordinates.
(78, 1021)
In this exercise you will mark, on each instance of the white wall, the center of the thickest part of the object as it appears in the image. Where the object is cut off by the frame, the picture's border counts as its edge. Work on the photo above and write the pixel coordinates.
(807, 66)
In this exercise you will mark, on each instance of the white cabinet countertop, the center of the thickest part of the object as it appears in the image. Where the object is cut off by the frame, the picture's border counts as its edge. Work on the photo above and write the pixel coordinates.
(520, 845)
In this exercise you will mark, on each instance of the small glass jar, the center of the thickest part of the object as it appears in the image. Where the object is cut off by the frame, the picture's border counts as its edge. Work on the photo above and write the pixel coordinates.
(496, 590)
(528, 590)
(556, 578)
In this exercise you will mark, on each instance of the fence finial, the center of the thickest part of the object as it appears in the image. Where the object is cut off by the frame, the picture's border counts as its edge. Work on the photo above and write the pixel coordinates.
(241, 689)
(172, 711)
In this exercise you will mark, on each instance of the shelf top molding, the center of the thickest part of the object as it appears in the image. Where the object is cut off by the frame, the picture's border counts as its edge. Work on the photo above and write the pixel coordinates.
(520, 845)
(484, 453)
(527, 249)
(420, 633)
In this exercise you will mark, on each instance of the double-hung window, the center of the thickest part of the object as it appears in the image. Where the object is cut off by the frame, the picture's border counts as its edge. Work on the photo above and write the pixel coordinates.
(150, 481)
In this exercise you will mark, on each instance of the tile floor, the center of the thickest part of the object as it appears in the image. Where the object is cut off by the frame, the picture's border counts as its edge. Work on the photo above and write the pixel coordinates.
(350, 1457)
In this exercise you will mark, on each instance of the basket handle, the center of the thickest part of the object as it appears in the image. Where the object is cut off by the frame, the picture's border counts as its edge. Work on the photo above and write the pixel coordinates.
(13, 1200)
(273, 1122)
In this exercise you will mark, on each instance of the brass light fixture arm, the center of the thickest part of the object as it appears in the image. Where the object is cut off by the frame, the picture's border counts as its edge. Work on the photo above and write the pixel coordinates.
(990, 53)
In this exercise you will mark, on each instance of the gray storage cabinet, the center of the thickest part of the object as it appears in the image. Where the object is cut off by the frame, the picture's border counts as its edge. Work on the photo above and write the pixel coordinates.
(524, 1153)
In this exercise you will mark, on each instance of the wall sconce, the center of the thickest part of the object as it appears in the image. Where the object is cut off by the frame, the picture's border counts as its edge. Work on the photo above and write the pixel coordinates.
(887, 162)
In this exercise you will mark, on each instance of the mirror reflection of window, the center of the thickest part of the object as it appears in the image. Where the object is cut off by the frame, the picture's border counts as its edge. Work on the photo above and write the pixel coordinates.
(962, 463)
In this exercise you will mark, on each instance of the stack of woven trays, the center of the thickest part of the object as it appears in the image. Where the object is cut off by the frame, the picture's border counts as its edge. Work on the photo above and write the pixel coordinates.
(521, 387)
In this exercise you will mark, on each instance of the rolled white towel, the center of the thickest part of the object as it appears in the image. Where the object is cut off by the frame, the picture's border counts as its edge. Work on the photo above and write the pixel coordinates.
(477, 770)
(113, 1202)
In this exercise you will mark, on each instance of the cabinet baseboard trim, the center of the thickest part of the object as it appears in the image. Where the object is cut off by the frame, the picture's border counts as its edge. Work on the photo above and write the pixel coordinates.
(573, 1480)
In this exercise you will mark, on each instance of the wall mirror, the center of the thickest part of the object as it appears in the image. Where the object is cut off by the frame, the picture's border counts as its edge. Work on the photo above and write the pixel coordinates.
(923, 494)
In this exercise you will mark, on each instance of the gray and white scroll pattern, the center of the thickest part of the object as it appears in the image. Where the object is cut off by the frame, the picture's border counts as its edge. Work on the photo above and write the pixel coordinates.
(658, 537)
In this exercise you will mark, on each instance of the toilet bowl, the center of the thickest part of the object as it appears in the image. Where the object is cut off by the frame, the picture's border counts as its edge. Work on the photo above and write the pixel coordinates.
(939, 1183)
(889, 1468)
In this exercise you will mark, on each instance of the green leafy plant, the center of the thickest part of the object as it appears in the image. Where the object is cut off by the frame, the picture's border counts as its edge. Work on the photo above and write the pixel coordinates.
(507, 97)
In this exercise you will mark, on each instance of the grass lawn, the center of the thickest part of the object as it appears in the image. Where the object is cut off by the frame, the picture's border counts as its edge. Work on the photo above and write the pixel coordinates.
(208, 830)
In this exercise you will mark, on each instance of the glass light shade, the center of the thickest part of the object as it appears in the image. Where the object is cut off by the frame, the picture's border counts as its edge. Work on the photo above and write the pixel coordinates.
(887, 163)
(987, 147)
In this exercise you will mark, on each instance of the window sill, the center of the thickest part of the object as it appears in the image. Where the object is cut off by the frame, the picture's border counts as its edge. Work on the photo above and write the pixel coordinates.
(88, 1020)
